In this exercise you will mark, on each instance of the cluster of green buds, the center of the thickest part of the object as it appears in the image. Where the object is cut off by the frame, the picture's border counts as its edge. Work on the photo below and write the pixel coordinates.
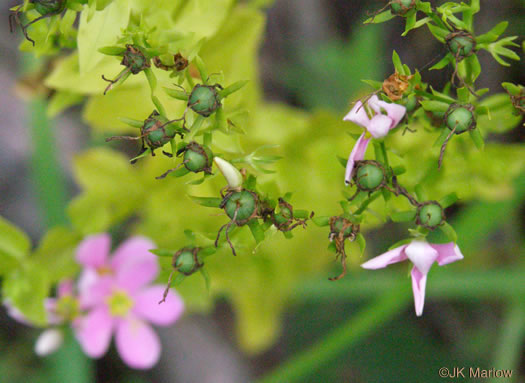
(45, 8)
(155, 132)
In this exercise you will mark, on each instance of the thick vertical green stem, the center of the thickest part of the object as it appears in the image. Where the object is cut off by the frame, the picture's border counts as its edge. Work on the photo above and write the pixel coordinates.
(47, 176)
(342, 338)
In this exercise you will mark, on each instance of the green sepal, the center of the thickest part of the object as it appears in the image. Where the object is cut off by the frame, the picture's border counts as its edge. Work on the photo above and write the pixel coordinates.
(177, 94)
(448, 231)
(476, 137)
(113, 50)
(380, 18)
(287, 234)
(207, 201)
(141, 155)
(439, 33)
(206, 277)
(232, 88)
(374, 84)
(250, 183)
(202, 69)
(163, 252)
(398, 170)
(321, 221)
(403, 216)
(410, 21)
(361, 241)
(493, 34)
(423, 6)
(420, 193)
(463, 94)
(132, 122)
(180, 172)
(397, 63)
(441, 138)
(331, 247)
(207, 251)
(434, 106)
(448, 200)
(257, 231)
(301, 214)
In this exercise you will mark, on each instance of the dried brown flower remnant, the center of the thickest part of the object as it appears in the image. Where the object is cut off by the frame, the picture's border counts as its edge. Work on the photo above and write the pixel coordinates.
(396, 85)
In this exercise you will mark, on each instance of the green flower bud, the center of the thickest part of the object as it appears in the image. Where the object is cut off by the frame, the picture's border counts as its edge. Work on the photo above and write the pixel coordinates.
(460, 117)
(369, 175)
(198, 158)
(401, 7)
(245, 202)
(430, 215)
(134, 59)
(186, 261)
(204, 99)
(49, 7)
(411, 103)
(461, 44)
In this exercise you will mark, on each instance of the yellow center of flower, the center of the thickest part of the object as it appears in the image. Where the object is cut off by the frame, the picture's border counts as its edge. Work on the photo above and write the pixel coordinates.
(104, 270)
(119, 303)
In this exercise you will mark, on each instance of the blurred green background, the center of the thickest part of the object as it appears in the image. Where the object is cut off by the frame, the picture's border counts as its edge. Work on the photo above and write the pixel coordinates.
(361, 329)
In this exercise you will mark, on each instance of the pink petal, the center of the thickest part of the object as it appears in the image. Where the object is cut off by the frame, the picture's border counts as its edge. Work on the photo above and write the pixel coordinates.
(448, 253)
(136, 274)
(379, 126)
(131, 250)
(383, 260)
(147, 305)
(419, 284)
(93, 289)
(422, 255)
(395, 111)
(358, 115)
(357, 154)
(137, 343)
(93, 251)
(93, 332)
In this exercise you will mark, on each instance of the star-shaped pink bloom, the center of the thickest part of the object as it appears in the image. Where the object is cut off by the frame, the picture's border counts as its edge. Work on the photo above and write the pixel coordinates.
(116, 294)
(422, 255)
(378, 127)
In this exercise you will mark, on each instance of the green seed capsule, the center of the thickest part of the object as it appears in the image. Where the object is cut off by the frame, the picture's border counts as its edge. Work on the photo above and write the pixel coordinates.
(204, 99)
(156, 134)
(186, 260)
(369, 177)
(460, 117)
(49, 7)
(337, 225)
(401, 7)
(198, 158)
(461, 44)
(430, 215)
(245, 202)
(134, 59)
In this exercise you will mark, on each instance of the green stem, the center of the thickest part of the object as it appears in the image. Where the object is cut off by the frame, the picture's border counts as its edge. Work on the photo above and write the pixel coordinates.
(46, 173)
(344, 337)
(152, 80)
(508, 351)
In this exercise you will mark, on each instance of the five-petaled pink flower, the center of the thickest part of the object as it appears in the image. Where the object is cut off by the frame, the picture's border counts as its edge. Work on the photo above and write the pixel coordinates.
(116, 294)
(422, 255)
(378, 127)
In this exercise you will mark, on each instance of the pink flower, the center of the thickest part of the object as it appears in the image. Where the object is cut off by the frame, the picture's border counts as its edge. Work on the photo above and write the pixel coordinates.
(422, 255)
(116, 294)
(378, 127)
